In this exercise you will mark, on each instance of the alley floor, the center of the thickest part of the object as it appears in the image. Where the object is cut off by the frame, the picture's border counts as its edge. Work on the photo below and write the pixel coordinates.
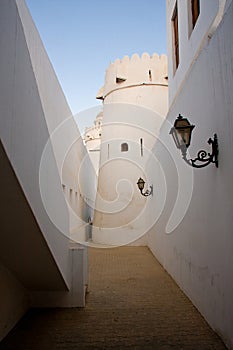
(132, 304)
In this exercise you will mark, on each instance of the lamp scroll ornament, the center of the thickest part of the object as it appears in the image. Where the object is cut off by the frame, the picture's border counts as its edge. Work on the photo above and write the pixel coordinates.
(141, 185)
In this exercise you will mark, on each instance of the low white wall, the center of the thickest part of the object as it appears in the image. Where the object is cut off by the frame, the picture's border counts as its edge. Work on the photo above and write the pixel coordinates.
(15, 301)
(198, 252)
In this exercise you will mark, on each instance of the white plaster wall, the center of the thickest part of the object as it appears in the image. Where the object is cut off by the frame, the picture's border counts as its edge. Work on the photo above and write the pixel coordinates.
(198, 252)
(190, 41)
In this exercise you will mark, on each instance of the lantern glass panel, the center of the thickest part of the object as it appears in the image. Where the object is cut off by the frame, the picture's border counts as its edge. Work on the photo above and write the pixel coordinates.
(141, 184)
(176, 137)
(184, 131)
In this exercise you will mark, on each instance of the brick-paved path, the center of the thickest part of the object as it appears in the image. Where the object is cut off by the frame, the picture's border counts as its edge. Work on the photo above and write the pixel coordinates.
(132, 304)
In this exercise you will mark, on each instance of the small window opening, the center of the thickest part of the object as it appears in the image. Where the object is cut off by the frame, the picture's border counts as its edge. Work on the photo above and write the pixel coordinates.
(141, 147)
(124, 147)
(108, 150)
(63, 187)
(176, 36)
(120, 80)
(195, 11)
(150, 75)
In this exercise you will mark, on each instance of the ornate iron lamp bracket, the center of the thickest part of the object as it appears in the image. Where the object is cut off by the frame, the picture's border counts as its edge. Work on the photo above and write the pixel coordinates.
(147, 192)
(203, 157)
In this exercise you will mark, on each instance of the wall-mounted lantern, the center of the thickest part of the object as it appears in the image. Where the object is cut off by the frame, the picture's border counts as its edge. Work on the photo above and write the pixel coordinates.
(181, 132)
(141, 184)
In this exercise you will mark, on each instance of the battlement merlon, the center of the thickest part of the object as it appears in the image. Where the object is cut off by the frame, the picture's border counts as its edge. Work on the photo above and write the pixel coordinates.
(134, 71)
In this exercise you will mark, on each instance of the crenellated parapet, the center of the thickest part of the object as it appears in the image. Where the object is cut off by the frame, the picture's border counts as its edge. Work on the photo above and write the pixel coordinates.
(134, 71)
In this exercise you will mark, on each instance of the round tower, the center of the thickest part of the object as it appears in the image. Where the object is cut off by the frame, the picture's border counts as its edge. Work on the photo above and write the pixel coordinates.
(135, 102)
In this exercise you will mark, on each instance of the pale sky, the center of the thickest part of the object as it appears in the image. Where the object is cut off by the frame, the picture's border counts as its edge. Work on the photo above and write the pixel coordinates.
(82, 37)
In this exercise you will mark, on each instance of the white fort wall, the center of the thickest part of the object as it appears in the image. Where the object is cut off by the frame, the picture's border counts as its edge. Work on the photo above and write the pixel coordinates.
(135, 104)
(38, 264)
(196, 248)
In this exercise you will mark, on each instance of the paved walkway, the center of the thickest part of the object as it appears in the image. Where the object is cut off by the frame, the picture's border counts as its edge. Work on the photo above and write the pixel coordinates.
(132, 304)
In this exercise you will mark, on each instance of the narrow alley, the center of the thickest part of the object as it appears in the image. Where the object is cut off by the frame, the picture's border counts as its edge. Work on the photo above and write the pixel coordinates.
(132, 303)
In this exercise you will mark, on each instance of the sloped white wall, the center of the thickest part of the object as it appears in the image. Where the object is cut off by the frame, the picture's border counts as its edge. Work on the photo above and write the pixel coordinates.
(24, 131)
(40, 149)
